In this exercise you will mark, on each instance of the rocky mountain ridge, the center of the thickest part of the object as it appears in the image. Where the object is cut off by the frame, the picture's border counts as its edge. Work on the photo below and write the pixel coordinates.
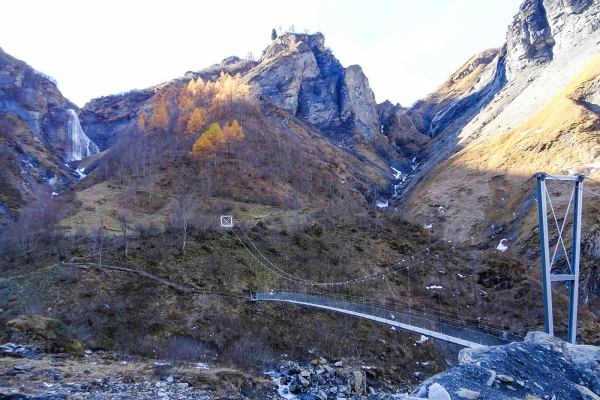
(299, 75)
(550, 45)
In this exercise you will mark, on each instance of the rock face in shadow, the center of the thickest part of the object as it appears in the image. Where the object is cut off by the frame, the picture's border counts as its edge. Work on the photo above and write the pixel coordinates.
(34, 98)
(402, 133)
(104, 117)
(35, 141)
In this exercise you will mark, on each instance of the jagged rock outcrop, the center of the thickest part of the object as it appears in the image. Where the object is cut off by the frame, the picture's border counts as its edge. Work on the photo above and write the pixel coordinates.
(299, 74)
(529, 40)
(231, 65)
(539, 30)
(401, 131)
(104, 117)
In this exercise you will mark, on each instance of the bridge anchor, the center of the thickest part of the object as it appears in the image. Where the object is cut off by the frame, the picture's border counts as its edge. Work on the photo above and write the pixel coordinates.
(547, 276)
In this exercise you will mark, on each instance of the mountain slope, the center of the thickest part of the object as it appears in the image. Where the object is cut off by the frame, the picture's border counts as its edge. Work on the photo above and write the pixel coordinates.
(301, 77)
(39, 133)
(532, 68)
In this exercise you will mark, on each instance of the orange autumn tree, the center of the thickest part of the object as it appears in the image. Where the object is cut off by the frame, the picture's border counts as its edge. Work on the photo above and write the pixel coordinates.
(196, 122)
(214, 133)
(141, 123)
(203, 148)
(233, 133)
(160, 115)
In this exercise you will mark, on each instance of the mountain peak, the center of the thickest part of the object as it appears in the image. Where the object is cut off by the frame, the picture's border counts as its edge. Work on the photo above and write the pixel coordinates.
(288, 41)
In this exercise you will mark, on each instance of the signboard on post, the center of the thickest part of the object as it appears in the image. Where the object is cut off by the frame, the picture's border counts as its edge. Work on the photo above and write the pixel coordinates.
(226, 221)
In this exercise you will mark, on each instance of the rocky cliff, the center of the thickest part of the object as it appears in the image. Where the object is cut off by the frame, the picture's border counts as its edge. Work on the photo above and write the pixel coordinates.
(38, 127)
(299, 74)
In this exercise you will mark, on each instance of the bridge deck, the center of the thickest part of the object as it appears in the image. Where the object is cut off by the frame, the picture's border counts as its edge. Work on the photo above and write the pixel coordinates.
(461, 334)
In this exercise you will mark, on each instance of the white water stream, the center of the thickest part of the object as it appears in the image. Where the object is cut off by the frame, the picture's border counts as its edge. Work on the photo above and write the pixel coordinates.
(81, 145)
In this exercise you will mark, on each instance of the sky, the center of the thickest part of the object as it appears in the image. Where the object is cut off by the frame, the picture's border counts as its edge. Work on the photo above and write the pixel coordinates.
(95, 48)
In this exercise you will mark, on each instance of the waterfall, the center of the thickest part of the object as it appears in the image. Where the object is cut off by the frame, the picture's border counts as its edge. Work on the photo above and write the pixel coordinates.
(81, 145)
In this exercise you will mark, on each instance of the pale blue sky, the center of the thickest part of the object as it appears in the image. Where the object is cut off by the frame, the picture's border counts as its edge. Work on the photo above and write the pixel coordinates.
(95, 48)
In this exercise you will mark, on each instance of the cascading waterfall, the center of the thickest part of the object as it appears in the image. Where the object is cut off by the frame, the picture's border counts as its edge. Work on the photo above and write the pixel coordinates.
(81, 145)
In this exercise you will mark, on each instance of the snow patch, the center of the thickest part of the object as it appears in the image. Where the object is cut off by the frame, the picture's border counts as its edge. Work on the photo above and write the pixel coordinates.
(80, 173)
(433, 287)
(382, 203)
(428, 226)
(502, 246)
(422, 340)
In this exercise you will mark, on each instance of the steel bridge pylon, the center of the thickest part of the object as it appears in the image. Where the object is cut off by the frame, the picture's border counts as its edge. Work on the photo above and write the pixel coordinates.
(547, 276)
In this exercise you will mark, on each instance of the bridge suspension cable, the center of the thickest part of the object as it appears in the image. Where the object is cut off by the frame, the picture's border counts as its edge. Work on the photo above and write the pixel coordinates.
(406, 273)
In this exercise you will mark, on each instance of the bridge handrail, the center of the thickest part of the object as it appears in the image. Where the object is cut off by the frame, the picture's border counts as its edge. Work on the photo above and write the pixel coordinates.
(398, 319)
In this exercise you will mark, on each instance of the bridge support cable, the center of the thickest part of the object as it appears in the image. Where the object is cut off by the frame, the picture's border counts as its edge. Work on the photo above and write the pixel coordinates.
(573, 263)
(449, 308)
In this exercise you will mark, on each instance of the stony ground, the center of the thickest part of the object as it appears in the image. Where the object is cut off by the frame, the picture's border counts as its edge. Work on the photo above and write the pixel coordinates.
(27, 374)
(102, 375)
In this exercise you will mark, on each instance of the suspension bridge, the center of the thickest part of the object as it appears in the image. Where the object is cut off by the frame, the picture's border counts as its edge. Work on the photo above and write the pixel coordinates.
(452, 305)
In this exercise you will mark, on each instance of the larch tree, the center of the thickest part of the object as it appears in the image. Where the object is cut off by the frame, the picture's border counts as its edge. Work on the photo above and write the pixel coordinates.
(214, 133)
(203, 148)
(160, 117)
(141, 123)
(196, 122)
(185, 104)
(233, 133)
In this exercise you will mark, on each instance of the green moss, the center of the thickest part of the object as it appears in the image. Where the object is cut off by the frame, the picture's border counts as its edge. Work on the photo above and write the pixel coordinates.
(75, 347)
(105, 343)
(59, 329)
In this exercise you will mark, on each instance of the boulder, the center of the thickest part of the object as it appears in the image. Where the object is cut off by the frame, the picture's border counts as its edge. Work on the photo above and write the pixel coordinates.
(472, 354)
(437, 392)
(468, 394)
(355, 378)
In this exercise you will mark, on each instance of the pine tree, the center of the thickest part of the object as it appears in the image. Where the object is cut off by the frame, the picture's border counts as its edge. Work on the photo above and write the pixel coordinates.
(273, 34)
